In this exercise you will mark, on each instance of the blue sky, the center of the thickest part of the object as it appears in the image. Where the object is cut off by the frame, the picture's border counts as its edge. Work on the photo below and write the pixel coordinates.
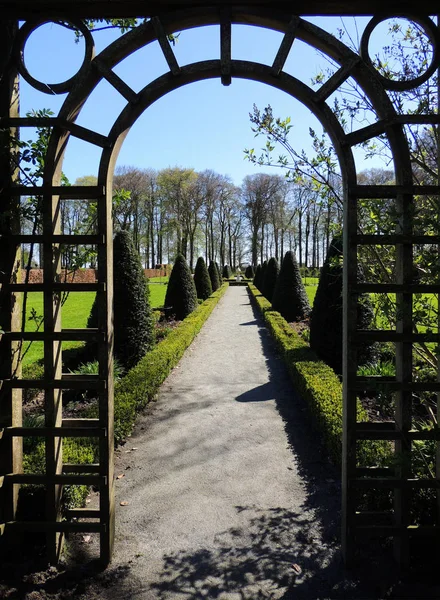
(204, 125)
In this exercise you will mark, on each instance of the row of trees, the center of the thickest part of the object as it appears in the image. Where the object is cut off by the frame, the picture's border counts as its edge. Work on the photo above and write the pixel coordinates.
(180, 211)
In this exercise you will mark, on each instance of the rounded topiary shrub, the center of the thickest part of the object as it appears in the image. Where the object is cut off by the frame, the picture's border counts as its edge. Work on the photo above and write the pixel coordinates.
(213, 274)
(181, 296)
(133, 321)
(227, 273)
(289, 296)
(202, 280)
(249, 273)
(270, 278)
(326, 317)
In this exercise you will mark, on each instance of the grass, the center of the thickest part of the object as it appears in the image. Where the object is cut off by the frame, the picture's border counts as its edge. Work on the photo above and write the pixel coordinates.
(74, 315)
(157, 295)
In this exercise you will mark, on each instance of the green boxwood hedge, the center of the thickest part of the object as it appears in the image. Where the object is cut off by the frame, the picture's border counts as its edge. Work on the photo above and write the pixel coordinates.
(318, 385)
(132, 393)
(140, 385)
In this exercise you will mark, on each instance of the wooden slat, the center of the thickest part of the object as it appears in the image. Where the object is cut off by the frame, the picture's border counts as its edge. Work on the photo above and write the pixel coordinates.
(92, 137)
(89, 423)
(20, 478)
(392, 191)
(390, 483)
(393, 239)
(285, 46)
(72, 468)
(56, 287)
(374, 472)
(397, 530)
(165, 46)
(225, 46)
(379, 335)
(67, 192)
(381, 126)
(114, 80)
(72, 382)
(391, 385)
(388, 431)
(66, 335)
(83, 513)
(50, 432)
(337, 79)
(55, 526)
(72, 240)
(395, 288)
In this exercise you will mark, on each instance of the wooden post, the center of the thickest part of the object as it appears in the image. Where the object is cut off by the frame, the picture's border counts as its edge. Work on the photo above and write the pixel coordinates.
(52, 369)
(349, 373)
(403, 408)
(106, 397)
(10, 314)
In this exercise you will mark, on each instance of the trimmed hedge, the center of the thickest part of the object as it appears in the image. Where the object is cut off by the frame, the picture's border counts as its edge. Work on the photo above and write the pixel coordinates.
(140, 385)
(181, 297)
(289, 297)
(270, 278)
(202, 280)
(132, 393)
(214, 276)
(318, 385)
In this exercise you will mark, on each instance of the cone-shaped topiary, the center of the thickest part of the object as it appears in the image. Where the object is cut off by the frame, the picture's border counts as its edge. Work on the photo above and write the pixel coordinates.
(289, 297)
(133, 322)
(263, 275)
(226, 272)
(181, 296)
(270, 278)
(249, 273)
(326, 317)
(257, 277)
(220, 277)
(213, 274)
(202, 280)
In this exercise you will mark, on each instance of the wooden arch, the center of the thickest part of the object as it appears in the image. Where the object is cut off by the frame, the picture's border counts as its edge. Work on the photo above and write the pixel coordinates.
(397, 479)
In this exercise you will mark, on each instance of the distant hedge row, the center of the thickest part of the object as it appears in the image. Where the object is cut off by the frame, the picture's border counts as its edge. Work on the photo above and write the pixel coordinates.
(318, 385)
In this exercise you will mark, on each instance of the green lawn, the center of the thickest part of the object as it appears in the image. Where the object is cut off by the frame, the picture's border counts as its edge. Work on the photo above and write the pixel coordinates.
(74, 315)
(76, 309)
(311, 292)
(157, 294)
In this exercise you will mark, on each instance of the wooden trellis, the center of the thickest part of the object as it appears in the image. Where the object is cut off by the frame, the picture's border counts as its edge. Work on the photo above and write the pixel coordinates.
(398, 480)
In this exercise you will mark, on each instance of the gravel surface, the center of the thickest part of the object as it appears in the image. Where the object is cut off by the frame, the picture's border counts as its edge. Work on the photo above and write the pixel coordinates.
(224, 491)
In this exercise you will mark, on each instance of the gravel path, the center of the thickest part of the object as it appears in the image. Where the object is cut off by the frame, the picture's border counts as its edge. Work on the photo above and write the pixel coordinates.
(217, 506)
(224, 492)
